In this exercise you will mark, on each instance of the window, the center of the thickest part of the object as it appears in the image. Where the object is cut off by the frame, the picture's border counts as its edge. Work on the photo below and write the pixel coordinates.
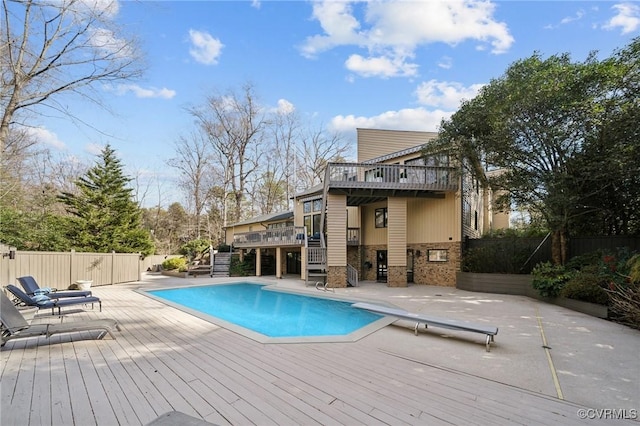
(312, 210)
(437, 255)
(381, 218)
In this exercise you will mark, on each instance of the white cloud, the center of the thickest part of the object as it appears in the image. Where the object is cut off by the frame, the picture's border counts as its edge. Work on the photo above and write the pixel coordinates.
(93, 148)
(141, 92)
(104, 39)
(205, 49)
(445, 62)
(419, 119)
(285, 107)
(627, 18)
(46, 137)
(380, 66)
(445, 94)
(578, 16)
(392, 30)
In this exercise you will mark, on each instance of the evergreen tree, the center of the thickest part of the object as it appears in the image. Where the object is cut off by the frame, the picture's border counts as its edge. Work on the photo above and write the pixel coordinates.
(105, 215)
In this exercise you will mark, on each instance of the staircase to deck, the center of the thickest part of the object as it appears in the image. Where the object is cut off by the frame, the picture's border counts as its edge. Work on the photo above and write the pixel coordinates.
(221, 263)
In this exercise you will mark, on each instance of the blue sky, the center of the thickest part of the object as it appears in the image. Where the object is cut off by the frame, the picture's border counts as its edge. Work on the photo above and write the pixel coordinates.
(380, 64)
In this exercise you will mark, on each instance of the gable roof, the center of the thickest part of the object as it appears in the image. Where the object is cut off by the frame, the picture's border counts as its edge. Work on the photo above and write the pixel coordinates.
(271, 217)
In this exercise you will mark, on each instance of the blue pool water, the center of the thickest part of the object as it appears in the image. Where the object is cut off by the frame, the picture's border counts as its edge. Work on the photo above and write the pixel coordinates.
(271, 313)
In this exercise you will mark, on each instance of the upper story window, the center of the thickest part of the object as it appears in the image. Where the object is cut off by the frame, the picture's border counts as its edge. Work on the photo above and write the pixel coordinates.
(381, 216)
(312, 206)
(311, 219)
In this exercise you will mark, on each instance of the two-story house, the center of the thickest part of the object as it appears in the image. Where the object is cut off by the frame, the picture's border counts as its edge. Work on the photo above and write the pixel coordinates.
(393, 216)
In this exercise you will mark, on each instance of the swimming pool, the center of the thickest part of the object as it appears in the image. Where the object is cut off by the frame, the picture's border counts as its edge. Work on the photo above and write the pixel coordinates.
(270, 316)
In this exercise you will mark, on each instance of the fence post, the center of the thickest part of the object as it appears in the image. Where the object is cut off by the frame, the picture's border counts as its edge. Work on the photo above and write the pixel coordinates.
(113, 266)
(72, 256)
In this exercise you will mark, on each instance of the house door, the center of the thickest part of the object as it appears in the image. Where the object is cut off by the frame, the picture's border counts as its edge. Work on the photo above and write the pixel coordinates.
(381, 266)
(293, 262)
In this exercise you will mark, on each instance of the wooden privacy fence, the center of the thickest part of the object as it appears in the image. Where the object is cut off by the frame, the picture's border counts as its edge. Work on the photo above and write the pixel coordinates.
(61, 269)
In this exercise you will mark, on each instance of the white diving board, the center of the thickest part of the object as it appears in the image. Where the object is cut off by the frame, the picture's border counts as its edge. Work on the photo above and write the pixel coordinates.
(487, 330)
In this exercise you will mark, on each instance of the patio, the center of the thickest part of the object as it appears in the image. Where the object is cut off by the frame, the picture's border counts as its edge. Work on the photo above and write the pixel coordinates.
(165, 359)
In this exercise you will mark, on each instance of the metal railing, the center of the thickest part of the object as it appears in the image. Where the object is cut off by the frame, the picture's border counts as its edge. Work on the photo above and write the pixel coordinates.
(353, 236)
(397, 175)
(287, 236)
(352, 276)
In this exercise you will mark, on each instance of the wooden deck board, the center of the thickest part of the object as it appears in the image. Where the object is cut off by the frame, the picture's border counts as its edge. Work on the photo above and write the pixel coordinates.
(165, 359)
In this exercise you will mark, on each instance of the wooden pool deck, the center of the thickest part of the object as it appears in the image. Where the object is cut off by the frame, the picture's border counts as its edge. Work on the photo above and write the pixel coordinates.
(165, 359)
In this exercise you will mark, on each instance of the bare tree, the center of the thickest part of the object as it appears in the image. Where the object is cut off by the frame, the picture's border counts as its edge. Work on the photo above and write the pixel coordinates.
(234, 124)
(315, 150)
(285, 134)
(56, 47)
(194, 162)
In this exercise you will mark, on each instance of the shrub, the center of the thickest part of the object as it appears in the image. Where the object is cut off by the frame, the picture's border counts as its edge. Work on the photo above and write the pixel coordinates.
(549, 279)
(224, 248)
(193, 248)
(179, 263)
(587, 287)
(624, 306)
(242, 269)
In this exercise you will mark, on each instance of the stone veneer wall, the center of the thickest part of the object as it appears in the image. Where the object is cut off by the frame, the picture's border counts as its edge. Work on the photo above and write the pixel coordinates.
(353, 258)
(336, 276)
(397, 276)
(424, 272)
(436, 273)
(369, 253)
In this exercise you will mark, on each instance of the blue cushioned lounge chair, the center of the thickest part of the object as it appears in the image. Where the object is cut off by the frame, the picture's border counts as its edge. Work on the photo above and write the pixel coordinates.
(32, 288)
(42, 301)
(15, 326)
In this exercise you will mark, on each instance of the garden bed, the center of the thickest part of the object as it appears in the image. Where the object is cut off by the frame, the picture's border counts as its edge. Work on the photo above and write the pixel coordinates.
(519, 284)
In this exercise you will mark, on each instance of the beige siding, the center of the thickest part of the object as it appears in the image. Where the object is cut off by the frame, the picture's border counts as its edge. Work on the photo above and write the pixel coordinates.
(370, 234)
(397, 232)
(336, 230)
(353, 217)
(239, 229)
(433, 220)
(374, 143)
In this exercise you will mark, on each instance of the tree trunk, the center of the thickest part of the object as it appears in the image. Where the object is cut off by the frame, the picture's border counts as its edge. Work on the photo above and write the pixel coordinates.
(559, 246)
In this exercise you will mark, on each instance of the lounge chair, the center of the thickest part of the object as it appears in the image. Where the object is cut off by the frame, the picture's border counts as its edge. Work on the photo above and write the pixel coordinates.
(43, 301)
(32, 288)
(15, 326)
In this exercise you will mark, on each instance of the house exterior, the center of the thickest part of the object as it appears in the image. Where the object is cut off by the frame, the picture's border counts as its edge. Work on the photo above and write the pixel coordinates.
(393, 216)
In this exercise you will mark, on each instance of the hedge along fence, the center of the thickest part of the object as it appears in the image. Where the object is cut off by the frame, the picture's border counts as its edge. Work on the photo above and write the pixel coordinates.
(61, 269)
(518, 255)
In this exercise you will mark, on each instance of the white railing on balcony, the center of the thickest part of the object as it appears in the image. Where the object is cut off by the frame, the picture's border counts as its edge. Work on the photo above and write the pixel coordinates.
(392, 175)
(353, 236)
(288, 236)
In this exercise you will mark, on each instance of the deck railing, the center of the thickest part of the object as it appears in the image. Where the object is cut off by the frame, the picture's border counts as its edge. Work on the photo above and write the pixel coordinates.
(287, 236)
(316, 257)
(353, 236)
(392, 175)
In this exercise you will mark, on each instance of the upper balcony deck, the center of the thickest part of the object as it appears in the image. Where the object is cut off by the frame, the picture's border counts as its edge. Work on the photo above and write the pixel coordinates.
(364, 182)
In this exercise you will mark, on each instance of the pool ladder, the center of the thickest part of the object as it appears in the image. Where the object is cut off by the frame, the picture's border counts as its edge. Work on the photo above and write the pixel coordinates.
(323, 286)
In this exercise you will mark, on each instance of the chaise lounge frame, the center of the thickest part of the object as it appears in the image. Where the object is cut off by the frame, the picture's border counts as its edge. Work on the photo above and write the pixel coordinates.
(15, 326)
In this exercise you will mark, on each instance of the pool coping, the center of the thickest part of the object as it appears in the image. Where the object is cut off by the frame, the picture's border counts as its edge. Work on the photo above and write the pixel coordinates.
(261, 338)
